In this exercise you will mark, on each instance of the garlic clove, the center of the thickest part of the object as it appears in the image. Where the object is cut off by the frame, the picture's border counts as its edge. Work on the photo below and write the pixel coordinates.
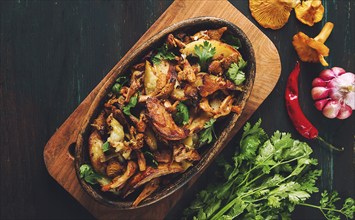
(327, 74)
(345, 112)
(337, 71)
(320, 104)
(331, 109)
(319, 93)
(319, 82)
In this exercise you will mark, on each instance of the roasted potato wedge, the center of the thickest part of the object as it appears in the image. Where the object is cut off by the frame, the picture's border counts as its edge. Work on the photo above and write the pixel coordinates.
(222, 49)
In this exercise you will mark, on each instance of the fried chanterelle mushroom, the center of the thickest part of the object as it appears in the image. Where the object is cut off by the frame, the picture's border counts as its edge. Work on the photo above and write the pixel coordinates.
(158, 117)
(313, 49)
(309, 11)
(272, 14)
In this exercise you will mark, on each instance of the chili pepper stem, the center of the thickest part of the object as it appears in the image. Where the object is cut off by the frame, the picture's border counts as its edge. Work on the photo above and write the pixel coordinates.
(329, 145)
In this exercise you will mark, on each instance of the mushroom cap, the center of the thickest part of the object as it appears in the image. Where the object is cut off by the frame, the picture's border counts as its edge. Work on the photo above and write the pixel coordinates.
(272, 14)
(309, 12)
(310, 50)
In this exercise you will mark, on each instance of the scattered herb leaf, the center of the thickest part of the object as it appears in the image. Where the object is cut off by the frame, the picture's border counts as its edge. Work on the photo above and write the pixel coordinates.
(181, 117)
(233, 41)
(131, 104)
(205, 53)
(105, 147)
(207, 134)
(88, 174)
(120, 81)
(235, 73)
(163, 54)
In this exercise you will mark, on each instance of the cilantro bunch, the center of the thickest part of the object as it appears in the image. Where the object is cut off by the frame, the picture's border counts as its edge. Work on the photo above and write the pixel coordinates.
(266, 180)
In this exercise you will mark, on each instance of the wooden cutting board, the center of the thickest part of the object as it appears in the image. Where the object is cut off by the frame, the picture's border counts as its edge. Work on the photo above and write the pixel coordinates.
(59, 149)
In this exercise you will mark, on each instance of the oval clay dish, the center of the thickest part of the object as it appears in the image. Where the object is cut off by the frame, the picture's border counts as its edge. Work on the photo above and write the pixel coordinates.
(222, 127)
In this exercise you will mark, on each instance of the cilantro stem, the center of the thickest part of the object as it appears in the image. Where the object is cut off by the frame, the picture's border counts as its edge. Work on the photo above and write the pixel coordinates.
(254, 168)
(276, 165)
(231, 203)
(321, 209)
(257, 200)
(332, 147)
(224, 209)
(245, 179)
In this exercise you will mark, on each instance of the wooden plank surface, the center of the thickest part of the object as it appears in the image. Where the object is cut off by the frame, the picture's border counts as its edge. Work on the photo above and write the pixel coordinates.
(60, 164)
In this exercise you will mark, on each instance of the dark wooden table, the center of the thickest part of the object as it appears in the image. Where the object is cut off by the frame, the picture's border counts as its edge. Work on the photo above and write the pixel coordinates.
(53, 53)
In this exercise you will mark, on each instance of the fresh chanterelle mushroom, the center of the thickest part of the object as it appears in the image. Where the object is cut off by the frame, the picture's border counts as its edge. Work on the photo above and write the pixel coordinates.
(309, 12)
(313, 49)
(272, 14)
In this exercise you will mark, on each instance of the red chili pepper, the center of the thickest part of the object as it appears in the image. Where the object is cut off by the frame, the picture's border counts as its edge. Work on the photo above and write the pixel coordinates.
(299, 120)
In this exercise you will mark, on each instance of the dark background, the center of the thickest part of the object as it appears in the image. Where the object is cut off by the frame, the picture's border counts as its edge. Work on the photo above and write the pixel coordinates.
(53, 53)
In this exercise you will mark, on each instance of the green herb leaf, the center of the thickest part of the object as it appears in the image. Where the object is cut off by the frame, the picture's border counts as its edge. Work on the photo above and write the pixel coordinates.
(298, 196)
(120, 81)
(308, 181)
(349, 208)
(181, 117)
(105, 147)
(205, 53)
(328, 208)
(88, 174)
(265, 180)
(252, 138)
(163, 54)
(207, 134)
(131, 104)
(237, 209)
(235, 73)
(233, 41)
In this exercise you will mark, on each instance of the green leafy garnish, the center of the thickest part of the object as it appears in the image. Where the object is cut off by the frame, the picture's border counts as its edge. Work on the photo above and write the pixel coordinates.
(150, 159)
(266, 179)
(205, 53)
(120, 81)
(233, 41)
(181, 117)
(131, 104)
(163, 54)
(328, 208)
(235, 73)
(207, 134)
(105, 147)
(88, 174)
